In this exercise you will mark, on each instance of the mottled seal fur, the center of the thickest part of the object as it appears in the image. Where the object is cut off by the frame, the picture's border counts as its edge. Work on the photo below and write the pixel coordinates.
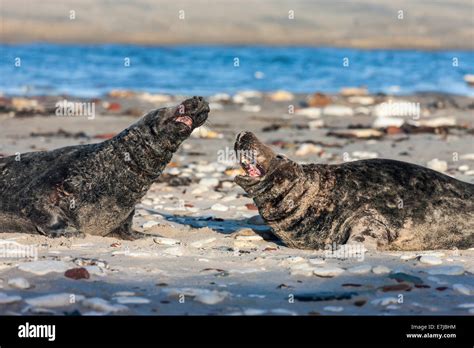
(382, 203)
(93, 189)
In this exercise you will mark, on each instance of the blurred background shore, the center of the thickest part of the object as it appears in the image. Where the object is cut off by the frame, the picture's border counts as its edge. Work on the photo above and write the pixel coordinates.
(421, 24)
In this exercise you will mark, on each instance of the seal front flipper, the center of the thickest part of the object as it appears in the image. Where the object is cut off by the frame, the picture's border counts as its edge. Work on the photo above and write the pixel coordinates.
(56, 232)
(125, 231)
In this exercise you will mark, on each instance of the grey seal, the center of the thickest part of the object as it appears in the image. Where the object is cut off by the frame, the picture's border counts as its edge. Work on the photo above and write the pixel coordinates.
(93, 189)
(382, 203)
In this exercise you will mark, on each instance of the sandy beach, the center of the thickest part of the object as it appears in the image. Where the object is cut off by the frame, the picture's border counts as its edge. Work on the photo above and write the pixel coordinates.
(210, 252)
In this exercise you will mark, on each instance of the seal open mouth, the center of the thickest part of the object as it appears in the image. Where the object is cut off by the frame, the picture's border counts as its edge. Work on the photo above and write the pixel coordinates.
(252, 169)
(254, 157)
(188, 121)
(192, 113)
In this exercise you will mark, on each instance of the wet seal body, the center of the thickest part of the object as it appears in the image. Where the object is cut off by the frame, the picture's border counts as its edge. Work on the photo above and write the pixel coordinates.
(93, 189)
(384, 204)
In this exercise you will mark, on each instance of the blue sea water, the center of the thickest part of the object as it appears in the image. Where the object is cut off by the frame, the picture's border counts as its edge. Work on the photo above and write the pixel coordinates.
(93, 70)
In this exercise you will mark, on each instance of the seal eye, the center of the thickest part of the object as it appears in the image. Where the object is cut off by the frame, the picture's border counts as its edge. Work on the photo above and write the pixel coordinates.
(281, 157)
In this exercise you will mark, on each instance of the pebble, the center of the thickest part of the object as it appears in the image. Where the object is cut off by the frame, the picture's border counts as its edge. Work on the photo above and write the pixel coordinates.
(54, 300)
(446, 270)
(309, 112)
(209, 182)
(131, 300)
(253, 238)
(201, 243)
(316, 124)
(99, 304)
(165, 241)
(280, 96)
(463, 168)
(77, 273)
(211, 297)
(438, 165)
(385, 122)
(362, 269)
(329, 271)
(384, 301)
(380, 270)
(306, 149)
(19, 283)
(6, 299)
(430, 260)
(338, 110)
(149, 224)
(44, 267)
(362, 100)
(219, 207)
(463, 289)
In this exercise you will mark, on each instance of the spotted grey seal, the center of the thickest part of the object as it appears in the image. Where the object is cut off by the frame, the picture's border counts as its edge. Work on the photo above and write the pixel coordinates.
(93, 189)
(382, 203)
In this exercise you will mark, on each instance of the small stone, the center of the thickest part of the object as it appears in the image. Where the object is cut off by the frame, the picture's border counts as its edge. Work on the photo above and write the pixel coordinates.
(438, 165)
(219, 207)
(201, 243)
(131, 300)
(380, 270)
(396, 287)
(281, 96)
(430, 260)
(7, 299)
(404, 277)
(19, 283)
(77, 273)
(463, 289)
(165, 241)
(362, 100)
(44, 267)
(308, 148)
(211, 297)
(309, 112)
(446, 270)
(338, 110)
(362, 269)
(54, 300)
(149, 224)
(329, 271)
(384, 301)
(209, 182)
(102, 305)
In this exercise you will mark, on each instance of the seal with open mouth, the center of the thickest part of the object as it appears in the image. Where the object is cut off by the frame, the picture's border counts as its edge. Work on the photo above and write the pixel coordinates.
(382, 203)
(93, 189)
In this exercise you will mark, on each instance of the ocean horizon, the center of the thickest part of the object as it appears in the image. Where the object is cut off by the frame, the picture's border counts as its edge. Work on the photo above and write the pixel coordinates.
(92, 70)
